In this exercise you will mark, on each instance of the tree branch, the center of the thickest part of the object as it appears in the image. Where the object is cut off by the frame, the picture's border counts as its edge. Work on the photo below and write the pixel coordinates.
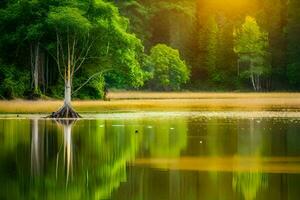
(84, 58)
(58, 56)
(89, 79)
(62, 52)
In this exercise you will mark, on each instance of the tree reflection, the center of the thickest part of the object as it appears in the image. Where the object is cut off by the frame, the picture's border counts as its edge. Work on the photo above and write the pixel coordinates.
(110, 145)
(249, 183)
(165, 138)
(91, 159)
(43, 159)
(85, 160)
(251, 145)
(67, 149)
(14, 143)
(37, 148)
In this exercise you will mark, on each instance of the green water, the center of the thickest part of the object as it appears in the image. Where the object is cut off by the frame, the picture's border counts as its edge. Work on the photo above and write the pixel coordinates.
(152, 156)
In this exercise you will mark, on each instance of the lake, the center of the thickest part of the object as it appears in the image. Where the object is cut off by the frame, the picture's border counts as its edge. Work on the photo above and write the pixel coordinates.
(152, 156)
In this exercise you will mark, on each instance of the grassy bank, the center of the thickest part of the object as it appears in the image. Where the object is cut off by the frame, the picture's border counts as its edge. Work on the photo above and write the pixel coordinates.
(130, 101)
(199, 95)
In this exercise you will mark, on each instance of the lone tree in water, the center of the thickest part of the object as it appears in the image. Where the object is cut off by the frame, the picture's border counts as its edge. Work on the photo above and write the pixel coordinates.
(93, 36)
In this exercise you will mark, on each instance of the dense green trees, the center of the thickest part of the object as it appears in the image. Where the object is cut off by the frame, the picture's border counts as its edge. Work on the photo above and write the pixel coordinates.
(212, 50)
(106, 48)
(22, 27)
(205, 40)
(94, 37)
(293, 37)
(56, 161)
(13, 82)
(54, 40)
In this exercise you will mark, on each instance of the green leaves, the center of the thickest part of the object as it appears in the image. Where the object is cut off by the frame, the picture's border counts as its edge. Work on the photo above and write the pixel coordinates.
(67, 18)
(13, 82)
(167, 70)
(293, 48)
(251, 45)
(249, 39)
(185, 7)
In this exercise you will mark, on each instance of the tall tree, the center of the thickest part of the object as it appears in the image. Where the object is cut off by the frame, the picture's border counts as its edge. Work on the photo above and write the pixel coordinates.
(92, 36)
(71, 29)
(212, 48)
(251, 44)
(293, 35)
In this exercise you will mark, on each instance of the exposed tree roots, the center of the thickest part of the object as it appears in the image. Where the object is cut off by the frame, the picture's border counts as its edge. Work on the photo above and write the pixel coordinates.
(65, 112)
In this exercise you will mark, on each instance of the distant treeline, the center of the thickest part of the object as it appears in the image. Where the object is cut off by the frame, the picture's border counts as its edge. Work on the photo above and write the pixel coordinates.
(165, 45)
(202, 30)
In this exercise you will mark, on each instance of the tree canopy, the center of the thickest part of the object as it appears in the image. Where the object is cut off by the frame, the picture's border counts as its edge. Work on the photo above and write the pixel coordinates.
(111, 45)
(167, 70)
(251, 45)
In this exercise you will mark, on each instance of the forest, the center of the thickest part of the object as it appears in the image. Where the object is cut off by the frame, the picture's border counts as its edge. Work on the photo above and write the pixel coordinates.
(82, 48)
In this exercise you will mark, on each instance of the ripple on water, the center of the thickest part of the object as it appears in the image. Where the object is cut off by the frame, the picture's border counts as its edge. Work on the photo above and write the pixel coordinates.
(201, 115)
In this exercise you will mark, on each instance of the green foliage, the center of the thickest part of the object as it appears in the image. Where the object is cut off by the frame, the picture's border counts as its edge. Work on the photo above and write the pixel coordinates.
(57, 90)
(168, 71)
(13, 82)
(185, 7)
(97, 161)
(293, 38)
(293, 73)
(66, 19)
(200, 30)
(169, 140)
(214, 74)
(139, 16)
(251, 46)
(249, 39)
(93, 90)
(94, 31)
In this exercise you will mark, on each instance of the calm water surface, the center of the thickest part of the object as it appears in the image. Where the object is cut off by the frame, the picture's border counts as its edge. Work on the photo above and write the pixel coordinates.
(152, 156)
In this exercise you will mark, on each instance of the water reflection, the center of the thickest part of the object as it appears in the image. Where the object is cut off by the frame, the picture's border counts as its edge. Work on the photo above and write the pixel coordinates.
(67, 149)
(149, 158)
(251, 145)
(249, 183)
(37, 149)
(165, 138)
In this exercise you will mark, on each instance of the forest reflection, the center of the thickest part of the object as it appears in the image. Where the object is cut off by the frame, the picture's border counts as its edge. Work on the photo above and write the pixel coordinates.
(80, 159)
(248, 184)
(146, 158)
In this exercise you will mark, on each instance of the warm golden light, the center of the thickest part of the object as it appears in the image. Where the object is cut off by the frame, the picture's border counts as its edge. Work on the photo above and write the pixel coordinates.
(232, 5)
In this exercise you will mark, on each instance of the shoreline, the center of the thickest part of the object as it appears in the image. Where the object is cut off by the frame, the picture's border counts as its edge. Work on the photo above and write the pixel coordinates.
(143, 101)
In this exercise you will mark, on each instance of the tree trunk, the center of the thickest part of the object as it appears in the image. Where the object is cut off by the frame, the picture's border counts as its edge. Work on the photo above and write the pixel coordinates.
(253, 82)
(36, 67)
(258, 83)
(67, 110)
(67, 100)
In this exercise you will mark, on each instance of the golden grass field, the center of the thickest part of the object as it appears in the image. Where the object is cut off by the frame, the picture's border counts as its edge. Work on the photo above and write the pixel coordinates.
(198, 95)
(147, 101)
